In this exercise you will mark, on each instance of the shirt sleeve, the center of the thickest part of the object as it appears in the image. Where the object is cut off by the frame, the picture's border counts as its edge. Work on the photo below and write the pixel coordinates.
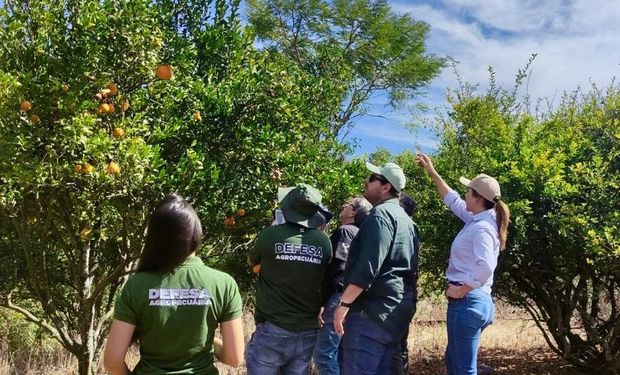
(254, 254)
(124, 309)
(457, 206)
(233, 305)
(484, 255)
(375, 241)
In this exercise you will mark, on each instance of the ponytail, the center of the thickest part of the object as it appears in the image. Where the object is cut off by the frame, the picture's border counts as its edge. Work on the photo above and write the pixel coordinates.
(502, 214)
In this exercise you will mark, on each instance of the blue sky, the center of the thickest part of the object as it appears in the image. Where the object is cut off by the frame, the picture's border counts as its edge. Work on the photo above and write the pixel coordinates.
(576, 41)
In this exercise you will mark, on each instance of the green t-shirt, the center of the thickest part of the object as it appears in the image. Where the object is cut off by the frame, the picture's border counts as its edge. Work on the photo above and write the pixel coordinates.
(293, 260)
(383, 261)
(176, 315)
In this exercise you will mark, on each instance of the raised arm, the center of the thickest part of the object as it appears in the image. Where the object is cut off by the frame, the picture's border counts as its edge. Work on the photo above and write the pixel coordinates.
(425, 162)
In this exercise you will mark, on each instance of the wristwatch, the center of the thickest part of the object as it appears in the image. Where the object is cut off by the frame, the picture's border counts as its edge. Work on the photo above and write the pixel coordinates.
(344, 304)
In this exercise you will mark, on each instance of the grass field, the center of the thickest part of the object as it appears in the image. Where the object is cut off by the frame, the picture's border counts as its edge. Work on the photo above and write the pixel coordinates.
(512, 345)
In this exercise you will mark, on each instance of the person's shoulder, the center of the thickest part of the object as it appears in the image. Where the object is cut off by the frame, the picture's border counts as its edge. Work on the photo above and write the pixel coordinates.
(215, 274)
(349, 229)
(486, 224)
(273, 231)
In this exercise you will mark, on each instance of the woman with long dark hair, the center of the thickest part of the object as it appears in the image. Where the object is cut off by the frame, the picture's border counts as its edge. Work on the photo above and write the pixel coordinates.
(174, 303)
(473, 258)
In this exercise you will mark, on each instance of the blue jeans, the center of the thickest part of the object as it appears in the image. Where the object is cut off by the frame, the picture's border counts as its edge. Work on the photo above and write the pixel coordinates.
(327, 341)
(467, 317)
(366, 347)
(273, 350)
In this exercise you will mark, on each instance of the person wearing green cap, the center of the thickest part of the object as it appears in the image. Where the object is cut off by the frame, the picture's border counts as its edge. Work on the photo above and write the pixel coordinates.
(380, 275)
(293, 258)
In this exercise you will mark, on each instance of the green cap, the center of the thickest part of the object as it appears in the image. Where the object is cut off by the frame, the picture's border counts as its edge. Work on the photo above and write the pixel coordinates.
(300, 204)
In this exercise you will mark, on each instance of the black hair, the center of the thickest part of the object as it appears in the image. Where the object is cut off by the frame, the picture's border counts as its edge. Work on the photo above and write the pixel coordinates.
(393, 192)
(174, 232)
(408, 204)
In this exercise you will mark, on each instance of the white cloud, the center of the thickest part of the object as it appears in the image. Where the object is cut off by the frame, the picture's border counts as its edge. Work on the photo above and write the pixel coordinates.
(575, 41)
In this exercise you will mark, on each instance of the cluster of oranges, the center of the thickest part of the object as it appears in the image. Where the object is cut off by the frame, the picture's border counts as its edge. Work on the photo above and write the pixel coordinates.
(105, 97)
(26, 106)
(107, 106)
(230, 221)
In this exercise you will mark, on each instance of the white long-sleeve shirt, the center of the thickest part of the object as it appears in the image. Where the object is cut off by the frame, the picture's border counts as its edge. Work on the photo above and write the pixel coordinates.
(474, 251)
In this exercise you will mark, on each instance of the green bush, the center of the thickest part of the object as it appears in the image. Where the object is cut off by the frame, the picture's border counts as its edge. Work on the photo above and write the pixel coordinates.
(560, 174)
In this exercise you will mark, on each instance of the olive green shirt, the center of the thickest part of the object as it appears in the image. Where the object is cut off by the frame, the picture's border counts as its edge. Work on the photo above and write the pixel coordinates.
(176, 315)
(293, 260)
(383, 262)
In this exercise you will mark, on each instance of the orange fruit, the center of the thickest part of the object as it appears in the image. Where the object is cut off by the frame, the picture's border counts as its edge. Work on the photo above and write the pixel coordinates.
(77, 168)
(241, 212)
(104, 108)
(87, 168)
(118, 133)
(64, 87)
(34, 119)
(125, 105)
(113, 168)
(164, 72)
(112, 108)
(113, 89)
(26, 106)
(256, 268)
(229, 220)
(196, 116)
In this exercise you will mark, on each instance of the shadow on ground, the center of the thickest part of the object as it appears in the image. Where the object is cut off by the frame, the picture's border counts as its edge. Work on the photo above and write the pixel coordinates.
(504, 361)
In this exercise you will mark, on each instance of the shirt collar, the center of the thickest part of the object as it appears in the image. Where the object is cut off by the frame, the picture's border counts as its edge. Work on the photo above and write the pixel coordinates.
(192, 261)
(389, 200)
(486, 213)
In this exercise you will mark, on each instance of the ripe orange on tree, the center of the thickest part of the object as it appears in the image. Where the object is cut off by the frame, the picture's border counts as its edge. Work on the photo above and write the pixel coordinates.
(105, 108)
(113, 89)
(25, 106)
(164, 72)
(87, 168)
(34, 119)
(77, 168)
(118, 133)
(113, 168)
(241, 212)
(256, 268)
(229, 221)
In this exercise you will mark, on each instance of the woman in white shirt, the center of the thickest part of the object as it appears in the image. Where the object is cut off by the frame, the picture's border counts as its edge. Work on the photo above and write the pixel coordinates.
(473, 257)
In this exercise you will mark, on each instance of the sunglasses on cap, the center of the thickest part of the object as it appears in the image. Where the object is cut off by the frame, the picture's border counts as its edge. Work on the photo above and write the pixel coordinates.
(377, 177)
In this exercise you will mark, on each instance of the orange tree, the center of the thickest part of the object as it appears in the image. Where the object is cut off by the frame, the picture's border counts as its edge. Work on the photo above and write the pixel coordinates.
(105, 107)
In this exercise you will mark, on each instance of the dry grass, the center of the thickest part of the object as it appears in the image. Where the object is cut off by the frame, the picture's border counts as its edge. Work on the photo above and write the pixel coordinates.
(512, 345)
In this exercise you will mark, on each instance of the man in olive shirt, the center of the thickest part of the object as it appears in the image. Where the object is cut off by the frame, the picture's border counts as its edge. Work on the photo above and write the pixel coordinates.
(293, 258)
(378, 300)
